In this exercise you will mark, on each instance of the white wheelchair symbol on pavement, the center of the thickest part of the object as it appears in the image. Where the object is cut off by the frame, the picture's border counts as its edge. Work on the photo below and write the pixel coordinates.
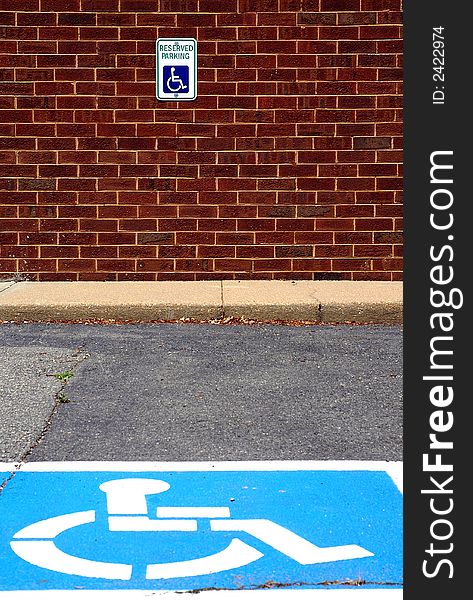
(174, 82)
(128, 512)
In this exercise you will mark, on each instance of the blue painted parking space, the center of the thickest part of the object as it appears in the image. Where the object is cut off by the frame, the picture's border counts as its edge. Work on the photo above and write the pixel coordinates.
(195, 526)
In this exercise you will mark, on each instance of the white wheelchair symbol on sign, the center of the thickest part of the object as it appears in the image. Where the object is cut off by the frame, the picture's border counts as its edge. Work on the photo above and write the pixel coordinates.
(174, 82)
(127, 511)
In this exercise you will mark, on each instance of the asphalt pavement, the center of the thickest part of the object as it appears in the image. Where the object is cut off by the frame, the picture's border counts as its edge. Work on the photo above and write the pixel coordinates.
(179, 392)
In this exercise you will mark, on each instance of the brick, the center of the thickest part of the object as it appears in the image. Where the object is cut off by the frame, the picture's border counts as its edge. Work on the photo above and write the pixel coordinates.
(7, 158)
(139, 5)
(99, 252)
(8, 267)
(389, 46)
(189, 197)
(154, 211)
(350, 264)
(177, 224)
(354, 210)
(276, 264)
(390, 156)
(94, 143)
(337, 170)
(112, 212)
(202, 158)
(9, 184)
(335, 116)
(376, 224)
(58, 225)
(389, 210)
(258, 171)
(77, 211)
(339, 5)
(378, 169)
(18, 170)
(18, 224)
(216, 225)
(371, 143)
(194, 265)
(388, 264)
(33, 265)
(137, 252)
(212, 6)
(16, 116)
(339, 33)
(219, 171)
(377, 60)
(18, 252)
(7, 18)
(381, 5)
(26, 48)
(357, 18)
(256, 143)
(177, 252)
(355, 183)
(393, 17)
(194, 237)
(36, 184)
(376, 87)
(315, 211)
(176, 144)
(357, 102)
(16, 88)
(77, 18)
(101, 225)
(122, 183)
(36, 238)
(215, 251)
(294, 251)
(380, 32)
(115, 265)
(330, 251)
(389, 183)
(18, 33)
(256, 224)
(197, 211)
(232, 265)
(389, 102)
(53, 116)
(36, 157)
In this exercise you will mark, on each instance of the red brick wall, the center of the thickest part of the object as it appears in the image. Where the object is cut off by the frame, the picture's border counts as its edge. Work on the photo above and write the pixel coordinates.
(287, 165)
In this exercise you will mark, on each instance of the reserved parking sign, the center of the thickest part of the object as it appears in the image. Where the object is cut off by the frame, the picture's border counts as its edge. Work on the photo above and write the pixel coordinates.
(176, 69)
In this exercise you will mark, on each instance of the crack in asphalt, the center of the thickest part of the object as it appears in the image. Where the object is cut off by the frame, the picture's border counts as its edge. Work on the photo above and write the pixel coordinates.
(79, 357)
(278, 585)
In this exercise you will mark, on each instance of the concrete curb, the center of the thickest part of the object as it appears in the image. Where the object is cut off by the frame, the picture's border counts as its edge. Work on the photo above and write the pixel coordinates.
(318, 301)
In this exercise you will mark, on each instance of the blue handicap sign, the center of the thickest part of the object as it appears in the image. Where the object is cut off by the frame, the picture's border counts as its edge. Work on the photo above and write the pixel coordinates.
(172, 529)
(175, 79)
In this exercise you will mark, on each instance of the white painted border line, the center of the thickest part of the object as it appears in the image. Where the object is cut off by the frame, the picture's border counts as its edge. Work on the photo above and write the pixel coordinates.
(393, 468)
(327, 594)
